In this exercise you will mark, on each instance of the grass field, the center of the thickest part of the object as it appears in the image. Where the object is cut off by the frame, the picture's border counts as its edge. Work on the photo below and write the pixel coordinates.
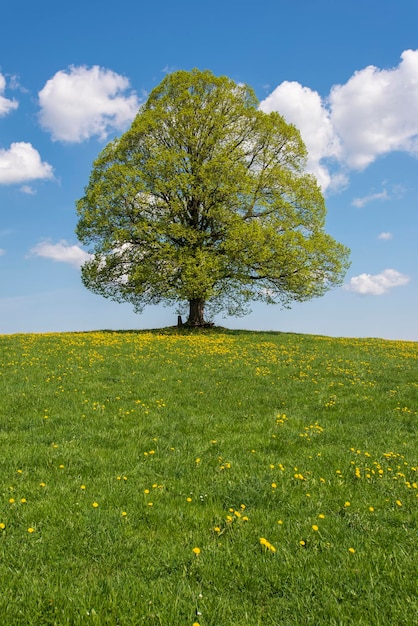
(216, 478)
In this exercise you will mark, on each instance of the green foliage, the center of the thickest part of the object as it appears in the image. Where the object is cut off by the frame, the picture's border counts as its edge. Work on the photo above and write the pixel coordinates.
(206, 198)
(216, 441)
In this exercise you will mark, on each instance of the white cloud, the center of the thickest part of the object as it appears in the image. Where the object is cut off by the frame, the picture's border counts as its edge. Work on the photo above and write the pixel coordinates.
(304, 108)
(84, 102)
(385, 236)
(374, 113)
(20, 163)
(5, 104)
(28, 190)
(361, 202)
(14, 83)
(377, 284)
(2, 251)
(61, 251)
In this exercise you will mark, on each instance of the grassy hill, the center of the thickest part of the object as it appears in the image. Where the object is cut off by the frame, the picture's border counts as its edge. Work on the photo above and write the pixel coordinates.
(215, 477)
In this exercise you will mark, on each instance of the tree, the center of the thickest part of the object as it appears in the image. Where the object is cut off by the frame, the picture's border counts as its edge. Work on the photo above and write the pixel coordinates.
(205, 200)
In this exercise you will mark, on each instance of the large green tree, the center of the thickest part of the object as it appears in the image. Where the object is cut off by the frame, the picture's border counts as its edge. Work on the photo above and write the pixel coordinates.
(205, 200)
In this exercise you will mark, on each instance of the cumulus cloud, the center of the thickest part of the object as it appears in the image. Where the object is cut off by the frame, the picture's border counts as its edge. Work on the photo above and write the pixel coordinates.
(372, 114)
(84, 102)
(304, 108)
(385, 236)
(20, 163)
(61, 251)
(375, 112)
(5, 105)
(377, 284)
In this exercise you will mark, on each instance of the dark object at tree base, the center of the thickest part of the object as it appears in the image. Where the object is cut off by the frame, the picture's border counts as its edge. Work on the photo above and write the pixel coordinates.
(199, 324)
(179, 321)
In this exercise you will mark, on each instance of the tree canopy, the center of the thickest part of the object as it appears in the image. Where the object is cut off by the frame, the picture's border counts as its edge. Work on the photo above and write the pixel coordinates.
(205, 200)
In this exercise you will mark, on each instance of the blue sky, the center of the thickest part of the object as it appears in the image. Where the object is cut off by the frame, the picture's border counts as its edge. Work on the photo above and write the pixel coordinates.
(72, 76)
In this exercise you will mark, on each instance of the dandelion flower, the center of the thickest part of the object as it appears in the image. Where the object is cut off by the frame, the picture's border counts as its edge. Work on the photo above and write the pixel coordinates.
(124, 514)
(31, 530)
(398, 502)
(95, 505)
(280, 522)
(23, 500)
(315, 527)
(267, 544)
(11, 500)
(42, 484)
(188, 499)
(321, 516)
(217, 529)
(302, 542)
(371, 509)
(82, 487)
(346, 504)
(150, 503)
(196, 551)
(2, 526)
(351, 550)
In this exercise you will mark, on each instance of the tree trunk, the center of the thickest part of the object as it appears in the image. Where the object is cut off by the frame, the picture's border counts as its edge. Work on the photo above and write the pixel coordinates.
(196, 312)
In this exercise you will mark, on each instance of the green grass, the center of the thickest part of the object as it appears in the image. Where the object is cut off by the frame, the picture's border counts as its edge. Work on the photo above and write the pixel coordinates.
(211, 440)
